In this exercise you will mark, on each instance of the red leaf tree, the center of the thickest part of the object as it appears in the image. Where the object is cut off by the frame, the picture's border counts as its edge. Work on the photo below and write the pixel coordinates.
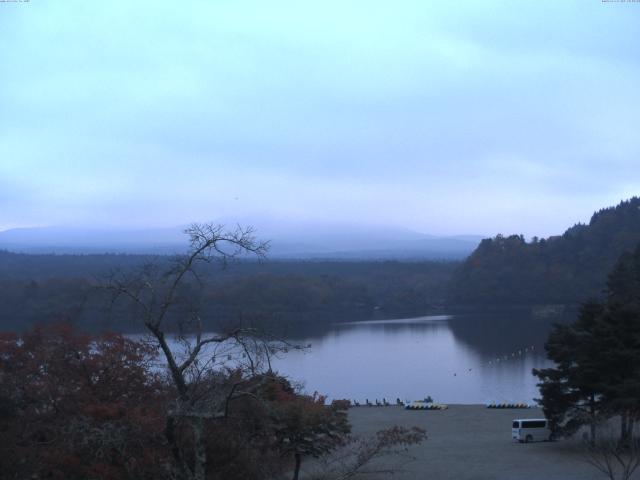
(73, 407)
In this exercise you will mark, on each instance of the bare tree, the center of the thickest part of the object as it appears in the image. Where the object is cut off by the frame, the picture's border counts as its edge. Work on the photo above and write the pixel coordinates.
(198, 364)
(614, 458)
(371, 456)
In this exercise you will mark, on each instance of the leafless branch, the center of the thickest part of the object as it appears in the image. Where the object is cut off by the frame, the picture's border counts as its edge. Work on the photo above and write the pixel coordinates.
(613, 458)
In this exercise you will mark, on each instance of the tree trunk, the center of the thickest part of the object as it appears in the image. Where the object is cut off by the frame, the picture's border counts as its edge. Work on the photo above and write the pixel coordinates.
(623, 429)
(181, 469)
(626, 429)
(296, 471)
(592, 408)
(200, 449)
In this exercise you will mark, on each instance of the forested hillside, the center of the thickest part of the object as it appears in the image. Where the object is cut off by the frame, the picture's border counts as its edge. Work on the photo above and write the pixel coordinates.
(502, 271)
(564, 269)
(41, 288)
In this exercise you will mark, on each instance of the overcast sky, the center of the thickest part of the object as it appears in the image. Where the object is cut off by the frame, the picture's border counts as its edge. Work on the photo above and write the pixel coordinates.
(442, 117)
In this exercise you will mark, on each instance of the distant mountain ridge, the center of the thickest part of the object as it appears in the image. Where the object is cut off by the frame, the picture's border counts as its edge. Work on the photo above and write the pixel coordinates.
(288, 241)
(565, 269)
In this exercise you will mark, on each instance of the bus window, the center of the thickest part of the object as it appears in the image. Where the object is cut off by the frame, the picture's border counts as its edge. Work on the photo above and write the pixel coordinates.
(534, 424)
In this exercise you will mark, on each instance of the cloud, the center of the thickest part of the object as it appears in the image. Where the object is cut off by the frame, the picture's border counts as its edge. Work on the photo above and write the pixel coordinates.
(412, 113)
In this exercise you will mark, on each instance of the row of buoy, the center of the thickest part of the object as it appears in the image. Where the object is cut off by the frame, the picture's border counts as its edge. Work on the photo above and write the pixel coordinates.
(508, 405)
(425, 406)
(514, 354)
(501, 359)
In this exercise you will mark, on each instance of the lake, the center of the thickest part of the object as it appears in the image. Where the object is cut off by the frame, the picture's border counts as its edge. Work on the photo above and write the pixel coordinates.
(462, 359)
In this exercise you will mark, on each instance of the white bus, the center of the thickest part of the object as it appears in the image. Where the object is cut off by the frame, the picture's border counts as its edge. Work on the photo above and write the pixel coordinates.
(531, 430)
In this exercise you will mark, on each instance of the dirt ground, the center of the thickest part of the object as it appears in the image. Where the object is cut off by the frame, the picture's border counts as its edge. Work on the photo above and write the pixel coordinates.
(473, 442)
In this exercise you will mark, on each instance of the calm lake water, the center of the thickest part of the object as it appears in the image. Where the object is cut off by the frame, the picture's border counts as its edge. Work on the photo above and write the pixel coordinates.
(454, 359)
(465, 359)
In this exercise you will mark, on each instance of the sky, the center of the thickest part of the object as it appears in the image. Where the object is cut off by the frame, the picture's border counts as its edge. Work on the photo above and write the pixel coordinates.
(465, 117)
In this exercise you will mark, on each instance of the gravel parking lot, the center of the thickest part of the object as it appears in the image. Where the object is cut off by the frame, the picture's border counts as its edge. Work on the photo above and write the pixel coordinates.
(473, 442)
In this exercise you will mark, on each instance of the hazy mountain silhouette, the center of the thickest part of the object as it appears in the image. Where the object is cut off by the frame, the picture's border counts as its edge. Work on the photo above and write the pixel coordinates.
(287, 239)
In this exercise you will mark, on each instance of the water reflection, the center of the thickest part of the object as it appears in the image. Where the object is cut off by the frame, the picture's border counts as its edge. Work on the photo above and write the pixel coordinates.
(455, 359)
